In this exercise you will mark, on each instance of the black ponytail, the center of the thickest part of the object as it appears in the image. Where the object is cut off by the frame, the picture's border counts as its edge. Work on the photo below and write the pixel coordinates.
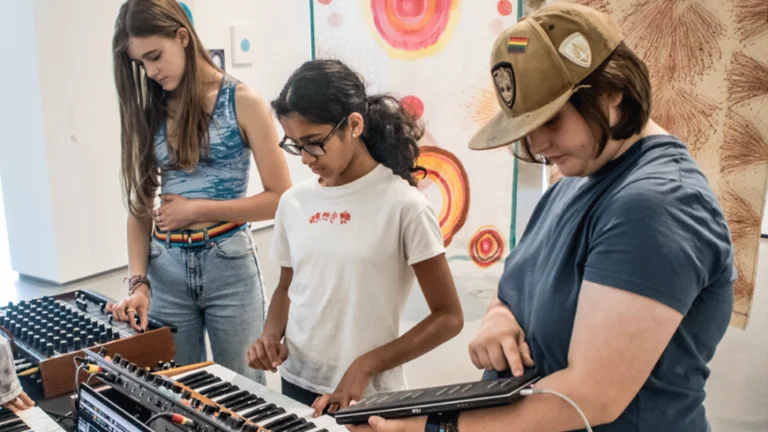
(326, 91)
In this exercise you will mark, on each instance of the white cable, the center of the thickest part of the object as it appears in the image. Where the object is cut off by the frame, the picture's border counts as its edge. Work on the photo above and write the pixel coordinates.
(529, 392)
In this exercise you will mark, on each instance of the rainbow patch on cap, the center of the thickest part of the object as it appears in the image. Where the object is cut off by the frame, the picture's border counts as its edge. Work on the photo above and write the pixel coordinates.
(517, 44)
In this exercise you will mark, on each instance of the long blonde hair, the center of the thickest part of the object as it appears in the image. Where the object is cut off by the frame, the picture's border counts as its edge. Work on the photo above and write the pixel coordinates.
(143, 106)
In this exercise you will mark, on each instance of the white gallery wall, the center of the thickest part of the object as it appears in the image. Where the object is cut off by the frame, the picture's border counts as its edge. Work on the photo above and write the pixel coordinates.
(60, 149)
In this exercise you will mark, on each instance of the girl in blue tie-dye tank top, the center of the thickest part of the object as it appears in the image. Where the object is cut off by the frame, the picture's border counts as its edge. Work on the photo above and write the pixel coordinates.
(189, 130)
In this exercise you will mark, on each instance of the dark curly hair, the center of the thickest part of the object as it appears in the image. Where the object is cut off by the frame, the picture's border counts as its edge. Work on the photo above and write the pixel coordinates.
(326, 91)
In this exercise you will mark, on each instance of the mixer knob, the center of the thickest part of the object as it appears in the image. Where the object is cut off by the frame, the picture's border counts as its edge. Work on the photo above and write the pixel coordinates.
(64, 347)
(69, 328)
(89, 341)
(49, 350)
(36, 341)
(56, 341)
(10, 305)
(16, 328)
(103, 338)
(69, 338)
(6, 321)
(24, 334)
(25, 322)
(38, 329)
(77, 344)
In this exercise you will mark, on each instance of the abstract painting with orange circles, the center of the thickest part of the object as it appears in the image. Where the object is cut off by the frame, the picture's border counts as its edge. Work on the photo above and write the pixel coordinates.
(709, 70)
(434, 55)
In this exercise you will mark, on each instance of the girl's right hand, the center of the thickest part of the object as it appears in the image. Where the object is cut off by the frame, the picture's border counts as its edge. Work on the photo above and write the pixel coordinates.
(267, 353)
(126, 309)
(500, 344)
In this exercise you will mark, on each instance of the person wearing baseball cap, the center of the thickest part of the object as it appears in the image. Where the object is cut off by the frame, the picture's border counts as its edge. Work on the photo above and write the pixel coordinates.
(621, 287)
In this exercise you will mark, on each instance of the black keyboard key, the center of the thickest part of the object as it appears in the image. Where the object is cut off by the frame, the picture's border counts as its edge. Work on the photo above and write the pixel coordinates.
(267, 415)
(250, 402)
(258, 411)
(302, 428)
(204, 382)
(284, 425)
(233, 398)
(222, 392)
(192, 377)
(217, 387)
(240, 401)
(280, 422)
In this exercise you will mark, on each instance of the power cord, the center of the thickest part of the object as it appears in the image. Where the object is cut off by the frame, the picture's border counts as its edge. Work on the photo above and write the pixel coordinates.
(535, 391)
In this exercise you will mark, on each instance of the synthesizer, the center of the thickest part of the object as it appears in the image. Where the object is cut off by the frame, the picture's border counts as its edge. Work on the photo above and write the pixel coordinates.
(49, 332)
(442, 399)
(214, 398)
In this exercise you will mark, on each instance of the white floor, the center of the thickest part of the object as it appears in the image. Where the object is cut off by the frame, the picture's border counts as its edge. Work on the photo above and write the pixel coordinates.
(737, 390)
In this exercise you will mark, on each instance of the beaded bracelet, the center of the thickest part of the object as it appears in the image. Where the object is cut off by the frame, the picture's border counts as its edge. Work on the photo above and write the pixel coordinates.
(135, 281)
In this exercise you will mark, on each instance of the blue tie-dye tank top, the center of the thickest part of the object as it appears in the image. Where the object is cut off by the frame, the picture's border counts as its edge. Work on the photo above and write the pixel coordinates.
(224, 174)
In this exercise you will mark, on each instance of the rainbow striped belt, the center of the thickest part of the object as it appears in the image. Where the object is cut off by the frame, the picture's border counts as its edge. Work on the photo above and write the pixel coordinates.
(192, 238)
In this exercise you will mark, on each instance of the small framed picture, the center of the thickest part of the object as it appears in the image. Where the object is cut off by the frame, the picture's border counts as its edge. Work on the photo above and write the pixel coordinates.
(217, 55)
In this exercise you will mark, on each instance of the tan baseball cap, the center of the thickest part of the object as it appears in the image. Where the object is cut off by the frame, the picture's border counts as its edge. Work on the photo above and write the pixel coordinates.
(537, 65)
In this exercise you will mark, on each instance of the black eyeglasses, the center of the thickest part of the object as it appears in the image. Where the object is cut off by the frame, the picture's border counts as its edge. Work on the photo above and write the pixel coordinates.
(315, 149)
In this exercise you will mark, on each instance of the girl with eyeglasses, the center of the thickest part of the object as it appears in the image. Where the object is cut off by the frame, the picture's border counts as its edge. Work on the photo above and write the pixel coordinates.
(351, 240)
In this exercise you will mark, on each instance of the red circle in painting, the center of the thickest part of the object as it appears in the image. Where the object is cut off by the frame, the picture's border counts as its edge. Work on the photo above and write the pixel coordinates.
(413, 105)
(504, 7)
(411, 25)
(324, 2)
(486, 247)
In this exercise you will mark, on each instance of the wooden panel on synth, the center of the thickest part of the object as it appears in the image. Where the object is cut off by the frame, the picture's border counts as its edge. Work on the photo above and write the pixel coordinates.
(145, 350)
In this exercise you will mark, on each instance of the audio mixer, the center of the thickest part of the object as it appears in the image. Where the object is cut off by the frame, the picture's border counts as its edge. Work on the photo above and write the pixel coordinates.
(49, 332)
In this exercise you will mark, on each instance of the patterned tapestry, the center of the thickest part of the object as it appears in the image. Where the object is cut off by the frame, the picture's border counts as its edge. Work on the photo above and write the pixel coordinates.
(709, 66)
(434, 54)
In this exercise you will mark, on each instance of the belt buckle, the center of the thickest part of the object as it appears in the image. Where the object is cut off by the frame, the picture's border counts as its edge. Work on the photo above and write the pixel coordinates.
(188, 234)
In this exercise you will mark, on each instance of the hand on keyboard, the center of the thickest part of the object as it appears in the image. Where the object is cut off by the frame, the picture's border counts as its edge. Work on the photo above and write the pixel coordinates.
(350, 388)
(267, 353)
(21, 403)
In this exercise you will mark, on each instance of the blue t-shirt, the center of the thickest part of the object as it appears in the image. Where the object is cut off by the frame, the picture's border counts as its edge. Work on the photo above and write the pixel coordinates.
(649, 223)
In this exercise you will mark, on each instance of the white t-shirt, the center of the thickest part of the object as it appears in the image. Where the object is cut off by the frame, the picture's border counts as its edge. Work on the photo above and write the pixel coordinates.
(351, 248)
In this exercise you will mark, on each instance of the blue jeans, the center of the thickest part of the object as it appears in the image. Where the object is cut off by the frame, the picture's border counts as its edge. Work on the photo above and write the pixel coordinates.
(216, 287)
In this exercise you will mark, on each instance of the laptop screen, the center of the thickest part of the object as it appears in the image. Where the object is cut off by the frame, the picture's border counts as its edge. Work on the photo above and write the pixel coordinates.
(99, 414)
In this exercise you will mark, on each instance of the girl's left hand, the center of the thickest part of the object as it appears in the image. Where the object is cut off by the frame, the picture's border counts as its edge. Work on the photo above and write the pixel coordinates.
(175, 212)
(378, 424)
(350, 388)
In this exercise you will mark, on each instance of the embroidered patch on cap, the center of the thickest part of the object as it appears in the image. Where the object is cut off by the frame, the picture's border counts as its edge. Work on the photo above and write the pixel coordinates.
(504, 81)
(517, 44)
(576, 49)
